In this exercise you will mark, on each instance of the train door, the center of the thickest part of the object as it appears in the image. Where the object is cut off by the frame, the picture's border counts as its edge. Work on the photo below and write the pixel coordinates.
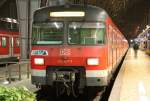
(11, 45)
(4, 50)
(117, 47)
(16, 46)
(120, 46)
(110, 40)
(114, 48)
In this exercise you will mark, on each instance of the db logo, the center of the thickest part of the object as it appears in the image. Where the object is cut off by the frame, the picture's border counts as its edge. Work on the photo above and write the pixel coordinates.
(65, 51)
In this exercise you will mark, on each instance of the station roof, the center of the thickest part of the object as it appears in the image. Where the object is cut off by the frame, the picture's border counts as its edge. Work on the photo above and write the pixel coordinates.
(131, 16)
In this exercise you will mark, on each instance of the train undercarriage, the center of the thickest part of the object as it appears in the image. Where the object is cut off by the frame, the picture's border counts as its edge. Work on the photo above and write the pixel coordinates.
(69, 81)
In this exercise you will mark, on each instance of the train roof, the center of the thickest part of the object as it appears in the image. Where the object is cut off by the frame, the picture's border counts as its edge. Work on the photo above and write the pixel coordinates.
(92, 13)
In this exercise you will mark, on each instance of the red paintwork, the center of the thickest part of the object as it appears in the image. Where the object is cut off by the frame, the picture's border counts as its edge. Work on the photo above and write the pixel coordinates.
(108, 54)
(16, 49)
(6, 50)
(116, 44)
(78, 56)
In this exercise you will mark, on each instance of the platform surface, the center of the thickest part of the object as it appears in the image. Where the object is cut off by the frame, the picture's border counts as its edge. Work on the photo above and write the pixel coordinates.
(133, 80)
(25, 81)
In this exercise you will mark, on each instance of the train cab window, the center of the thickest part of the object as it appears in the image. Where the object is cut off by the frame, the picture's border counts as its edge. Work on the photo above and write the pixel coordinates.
(86, 33)
(47, 33)
(3, 42)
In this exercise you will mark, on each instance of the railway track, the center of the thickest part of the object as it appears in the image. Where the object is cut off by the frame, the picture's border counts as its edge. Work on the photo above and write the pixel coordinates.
(92, 95)
(45, 96)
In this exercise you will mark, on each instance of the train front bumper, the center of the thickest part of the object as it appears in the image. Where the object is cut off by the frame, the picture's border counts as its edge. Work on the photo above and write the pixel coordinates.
(97, 77)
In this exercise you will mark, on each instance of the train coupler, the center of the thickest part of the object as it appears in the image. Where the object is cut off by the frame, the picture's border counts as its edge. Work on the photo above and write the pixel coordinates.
(64, 76)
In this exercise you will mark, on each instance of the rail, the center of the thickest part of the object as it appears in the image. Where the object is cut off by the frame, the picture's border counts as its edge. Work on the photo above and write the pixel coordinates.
(10, 68)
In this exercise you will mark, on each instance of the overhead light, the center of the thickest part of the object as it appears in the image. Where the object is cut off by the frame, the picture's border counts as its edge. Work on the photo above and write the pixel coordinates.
(131, 40)
(147, 26)
(8, 19)
(74, 27)
(143, 30)
(56, 25)
(14, 21)
(67, 14)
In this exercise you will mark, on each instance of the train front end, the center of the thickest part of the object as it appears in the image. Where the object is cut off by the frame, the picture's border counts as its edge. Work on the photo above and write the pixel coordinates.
(69, 53)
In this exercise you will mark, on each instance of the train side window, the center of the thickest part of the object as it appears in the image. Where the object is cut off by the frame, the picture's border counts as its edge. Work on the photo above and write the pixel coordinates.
(0, 41)
(110, 31)
(17, 42)
(4, 42)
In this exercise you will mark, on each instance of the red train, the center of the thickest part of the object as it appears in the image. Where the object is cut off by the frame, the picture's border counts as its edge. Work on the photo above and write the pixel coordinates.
(75, 47)
(9, 40)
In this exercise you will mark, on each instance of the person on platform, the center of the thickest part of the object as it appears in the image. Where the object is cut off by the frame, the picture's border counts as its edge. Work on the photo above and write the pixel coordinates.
(135, 47)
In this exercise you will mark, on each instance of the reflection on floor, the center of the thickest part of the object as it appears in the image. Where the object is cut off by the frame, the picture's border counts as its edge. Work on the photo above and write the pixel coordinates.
(133, 80)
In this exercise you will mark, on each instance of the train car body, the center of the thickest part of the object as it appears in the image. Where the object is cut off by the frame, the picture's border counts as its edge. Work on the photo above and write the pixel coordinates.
(75, 44)
(9, 43)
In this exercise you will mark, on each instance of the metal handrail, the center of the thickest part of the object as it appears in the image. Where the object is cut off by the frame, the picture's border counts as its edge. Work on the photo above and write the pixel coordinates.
(8, 70)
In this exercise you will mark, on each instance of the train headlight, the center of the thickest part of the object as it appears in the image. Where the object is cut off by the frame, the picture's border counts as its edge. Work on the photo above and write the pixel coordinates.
(93, 61)
(39, 61)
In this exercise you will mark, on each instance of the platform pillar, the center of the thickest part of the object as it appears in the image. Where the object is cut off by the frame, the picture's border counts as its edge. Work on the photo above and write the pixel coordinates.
(25, 9)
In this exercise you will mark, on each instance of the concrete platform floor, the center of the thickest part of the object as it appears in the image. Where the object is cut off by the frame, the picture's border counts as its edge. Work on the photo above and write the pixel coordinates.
(15, 82)
(133, 80)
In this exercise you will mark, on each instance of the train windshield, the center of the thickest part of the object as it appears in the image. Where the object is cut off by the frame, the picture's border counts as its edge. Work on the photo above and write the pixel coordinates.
(86, 33)
(47, 33)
